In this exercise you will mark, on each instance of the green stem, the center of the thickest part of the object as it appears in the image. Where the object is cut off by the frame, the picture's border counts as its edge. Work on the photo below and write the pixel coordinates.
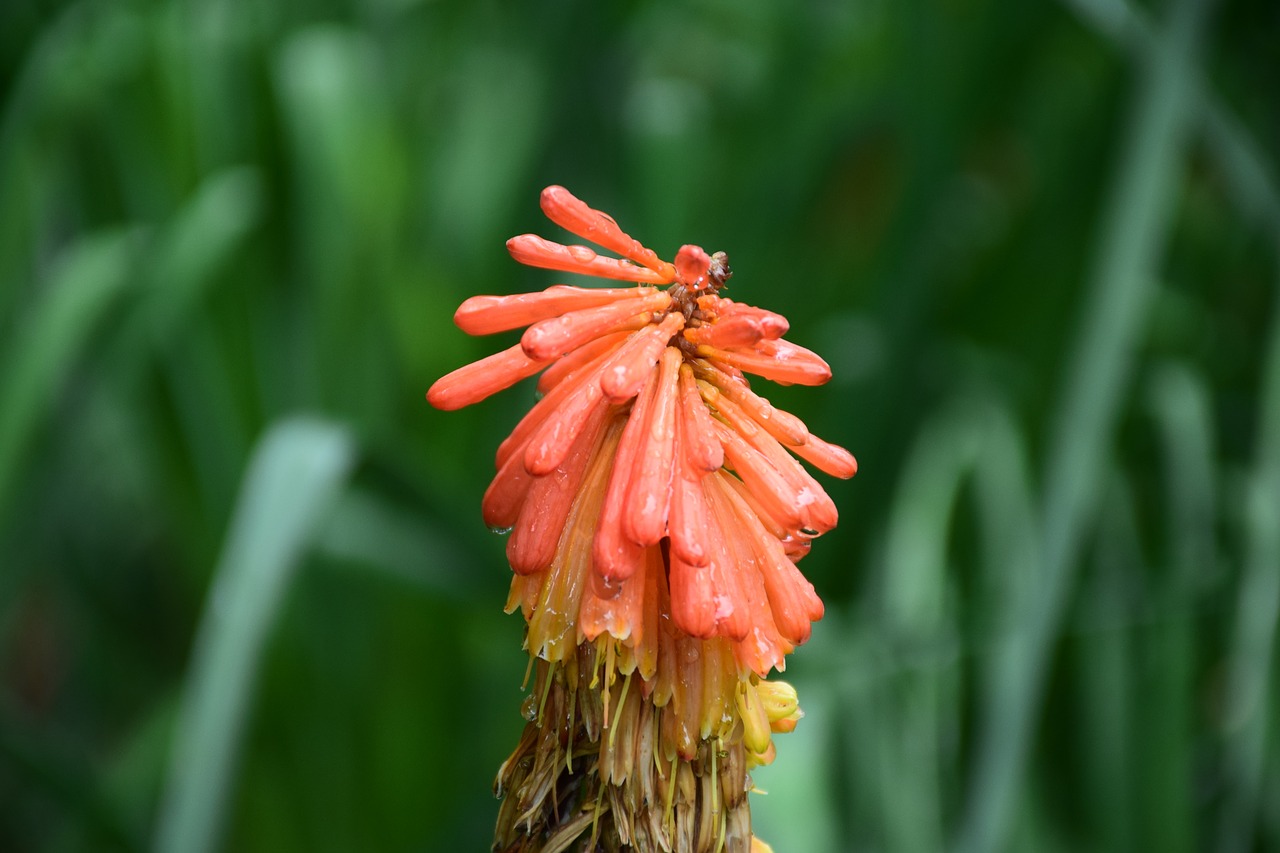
(1250, 679)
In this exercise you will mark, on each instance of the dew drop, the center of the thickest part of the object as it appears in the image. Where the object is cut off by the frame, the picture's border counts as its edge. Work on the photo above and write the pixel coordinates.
(501, 531)
(529, 708)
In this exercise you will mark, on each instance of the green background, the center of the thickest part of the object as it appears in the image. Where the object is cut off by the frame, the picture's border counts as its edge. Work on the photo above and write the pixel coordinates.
(246, 599)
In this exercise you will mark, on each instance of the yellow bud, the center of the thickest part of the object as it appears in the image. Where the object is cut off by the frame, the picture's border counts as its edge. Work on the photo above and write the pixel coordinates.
(755, 721)
(779, 699)
(786, 724)
(758, 846)
(761, 759)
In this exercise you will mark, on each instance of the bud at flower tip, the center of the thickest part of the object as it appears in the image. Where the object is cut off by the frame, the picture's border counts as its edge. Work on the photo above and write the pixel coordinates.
(692, 263)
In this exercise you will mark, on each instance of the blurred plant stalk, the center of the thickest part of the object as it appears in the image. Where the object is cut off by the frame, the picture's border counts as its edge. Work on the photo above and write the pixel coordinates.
(1131, 239)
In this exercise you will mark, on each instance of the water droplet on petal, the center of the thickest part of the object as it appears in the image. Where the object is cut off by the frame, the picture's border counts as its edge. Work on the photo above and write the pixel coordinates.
(501, 531)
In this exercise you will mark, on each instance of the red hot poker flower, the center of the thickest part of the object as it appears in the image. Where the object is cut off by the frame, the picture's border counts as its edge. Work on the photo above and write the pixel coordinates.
(672, 359)
(656, 511)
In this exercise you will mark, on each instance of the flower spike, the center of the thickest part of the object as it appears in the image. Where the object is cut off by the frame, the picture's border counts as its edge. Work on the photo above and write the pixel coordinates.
(657, 507)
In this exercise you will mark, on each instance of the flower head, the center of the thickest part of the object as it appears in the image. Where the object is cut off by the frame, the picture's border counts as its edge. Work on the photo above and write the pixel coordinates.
(656, 509)
(649, 382)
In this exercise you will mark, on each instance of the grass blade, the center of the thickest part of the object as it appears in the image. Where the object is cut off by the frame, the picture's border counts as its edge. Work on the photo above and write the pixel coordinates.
(199, 241)
(1248, 176)
(294, 476)
(1122, 276)
(1250, 679)
(371, 530)
(918, 620)
(80, 289)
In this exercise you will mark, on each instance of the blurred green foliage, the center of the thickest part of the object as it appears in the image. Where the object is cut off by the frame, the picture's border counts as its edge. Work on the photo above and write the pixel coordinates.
(246, 599)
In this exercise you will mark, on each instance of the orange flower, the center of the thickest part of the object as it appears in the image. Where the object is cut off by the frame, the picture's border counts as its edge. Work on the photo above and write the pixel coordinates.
(656, 511)
(652, 379)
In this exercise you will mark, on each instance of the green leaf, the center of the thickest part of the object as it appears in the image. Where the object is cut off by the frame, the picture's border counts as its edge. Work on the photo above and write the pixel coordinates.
(294, 476)
(77, 293)
(205, 233)
(370, 529)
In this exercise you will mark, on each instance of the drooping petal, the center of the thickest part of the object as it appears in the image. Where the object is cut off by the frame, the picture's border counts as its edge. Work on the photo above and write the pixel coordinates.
(774, 325)
(780, 361)
(532, 250)
(827, 457)
(553, 375)
(616, 556)
(688, 521)
(532, 544)
(776, 529)
(548, 405)
(769, 487)
(727, 333)
(793, 601)
(553, 620)
(740, 555)
(624, 379)
(556, 336)
(486, 315)
(649, 494)
(702, 448)
(523, 594)
(506, 495)
(648, 641)
(667, 675)
(734, 611)
(710, 600)
(693, 598)
(763, 648)
(473, 382)
(550, 444)
(810, 499)
(783, 426)
(688, 517)
(621, 616)
(755, 719)
(573, 215)
(719, 684)
(686, 701)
